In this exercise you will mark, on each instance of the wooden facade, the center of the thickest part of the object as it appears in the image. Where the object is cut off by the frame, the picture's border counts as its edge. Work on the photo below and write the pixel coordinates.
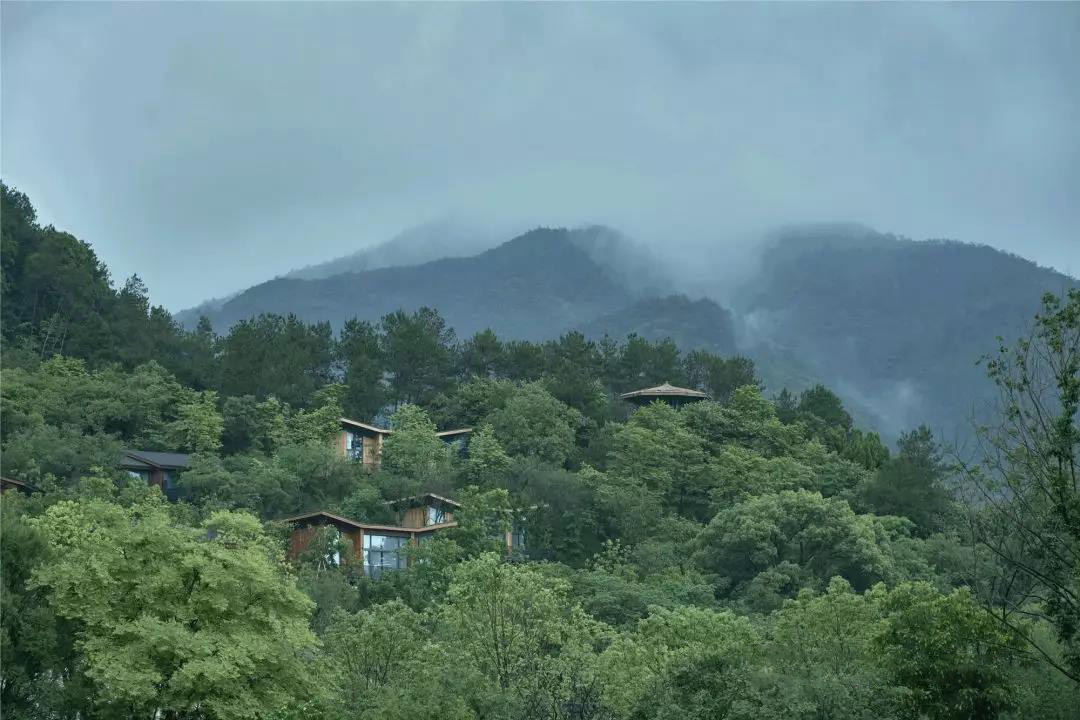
(424, 510)
(156, 468)
(378, 548)
(361, 442)
(364, 443)
(306, 526)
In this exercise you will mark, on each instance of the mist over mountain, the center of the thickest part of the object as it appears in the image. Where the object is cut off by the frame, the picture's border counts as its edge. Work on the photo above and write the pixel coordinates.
(537, 285)
(434, 240)
(896, 326)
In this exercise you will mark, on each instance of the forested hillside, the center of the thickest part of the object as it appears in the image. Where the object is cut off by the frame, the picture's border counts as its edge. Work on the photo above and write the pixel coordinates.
(536, 286)
(749, 556)
(691, 324)
(896, 324)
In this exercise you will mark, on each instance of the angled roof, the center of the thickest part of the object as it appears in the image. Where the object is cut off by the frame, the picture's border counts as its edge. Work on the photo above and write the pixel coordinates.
(365, 426)
(20, 485)
(425, 496)
(665, 390)
(356, 525)
(388, 431)
(452, 433)
(151, 460)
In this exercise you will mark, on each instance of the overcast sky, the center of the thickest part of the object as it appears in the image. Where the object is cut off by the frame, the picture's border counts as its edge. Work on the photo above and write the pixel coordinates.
(211, 146)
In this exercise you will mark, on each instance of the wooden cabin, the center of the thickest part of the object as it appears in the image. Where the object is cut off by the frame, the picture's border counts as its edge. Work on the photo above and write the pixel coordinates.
(424, 510)
(156, 468)
(674, 396)
(378, 548)
(363, 443)
(382, 548)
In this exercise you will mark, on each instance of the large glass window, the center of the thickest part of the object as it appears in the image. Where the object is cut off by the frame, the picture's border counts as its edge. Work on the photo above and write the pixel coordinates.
(383, 553)
(435, 515)
(354, 446)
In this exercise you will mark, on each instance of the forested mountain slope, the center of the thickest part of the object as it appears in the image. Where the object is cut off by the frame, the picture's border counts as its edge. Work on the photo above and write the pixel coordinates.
(691, 324)
(747, 557)
(896, 324)
(537, 285)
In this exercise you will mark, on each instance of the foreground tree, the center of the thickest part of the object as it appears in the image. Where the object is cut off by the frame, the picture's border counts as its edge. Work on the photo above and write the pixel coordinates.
(1025, 496)
(176, 621)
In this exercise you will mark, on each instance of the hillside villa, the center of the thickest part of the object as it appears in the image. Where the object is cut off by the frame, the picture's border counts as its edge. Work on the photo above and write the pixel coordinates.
(363, 443)
(156, 468)
(381, 548)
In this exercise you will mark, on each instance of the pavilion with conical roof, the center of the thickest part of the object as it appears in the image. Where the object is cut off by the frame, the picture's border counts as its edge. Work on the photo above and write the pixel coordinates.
(674, 396)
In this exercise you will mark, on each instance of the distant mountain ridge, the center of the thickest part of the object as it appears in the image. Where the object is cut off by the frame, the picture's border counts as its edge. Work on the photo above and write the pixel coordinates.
(435, 240)
(895, 326)
(900, 324)
(537, 285)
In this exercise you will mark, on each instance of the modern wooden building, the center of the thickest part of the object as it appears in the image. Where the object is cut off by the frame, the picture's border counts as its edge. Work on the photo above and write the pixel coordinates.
(363, 443)
(156, 468)
(382, 548)
(378, 548)
(424, 510)
(674, 396)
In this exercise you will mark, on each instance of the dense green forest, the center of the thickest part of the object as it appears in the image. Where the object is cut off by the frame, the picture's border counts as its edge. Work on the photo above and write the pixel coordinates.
(756, 555)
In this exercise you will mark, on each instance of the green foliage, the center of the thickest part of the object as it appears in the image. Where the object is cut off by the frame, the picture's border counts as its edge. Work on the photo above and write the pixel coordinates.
(952, 656)
(697, 562)
(358, 347)
(488, 464)
(509, 621)
(687, 662)
(482, 355)
(719, 376)
(418, 351)
(1030, 482)
(781, 542)
(198, 425)
(655, 450)
(913, 484)
(372, 649)
(272, 354)
(172, 618)
(36, 645)
(414, 451)
(533, 423)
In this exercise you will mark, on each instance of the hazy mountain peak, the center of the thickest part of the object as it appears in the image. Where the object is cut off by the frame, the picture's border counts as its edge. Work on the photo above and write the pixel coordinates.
(447, 236)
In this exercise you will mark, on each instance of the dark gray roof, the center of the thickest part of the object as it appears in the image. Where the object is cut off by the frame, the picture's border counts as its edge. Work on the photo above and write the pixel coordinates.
(149, 459)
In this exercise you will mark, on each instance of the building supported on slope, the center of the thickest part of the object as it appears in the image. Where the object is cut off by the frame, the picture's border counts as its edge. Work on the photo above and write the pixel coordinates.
(674, 396)
(382, 548)
(156, 468)
(378, 548)
(363, 443)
